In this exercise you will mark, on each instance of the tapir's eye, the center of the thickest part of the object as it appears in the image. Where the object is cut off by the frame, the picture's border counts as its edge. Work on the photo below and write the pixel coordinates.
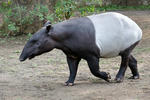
(37, 43)
(33, 41)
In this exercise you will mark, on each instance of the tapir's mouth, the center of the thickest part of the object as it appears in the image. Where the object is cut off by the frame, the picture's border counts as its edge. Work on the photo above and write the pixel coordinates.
(32, 56)
(24, 58)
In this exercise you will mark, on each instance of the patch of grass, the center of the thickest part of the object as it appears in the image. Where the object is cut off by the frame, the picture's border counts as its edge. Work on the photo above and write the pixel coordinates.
(9, 69)
(34, 65)
(2, 40)
(29, 35)
(138, 50)
(118, 7)
(113, 8)
(17, 51)
(47, 73)
(141, 60)
(96, 80)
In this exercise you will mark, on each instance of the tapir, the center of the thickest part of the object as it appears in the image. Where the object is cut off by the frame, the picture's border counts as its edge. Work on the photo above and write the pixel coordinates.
(104, 35)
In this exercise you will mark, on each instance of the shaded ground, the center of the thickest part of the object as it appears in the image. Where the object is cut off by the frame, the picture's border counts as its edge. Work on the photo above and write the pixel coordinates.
(42, 78)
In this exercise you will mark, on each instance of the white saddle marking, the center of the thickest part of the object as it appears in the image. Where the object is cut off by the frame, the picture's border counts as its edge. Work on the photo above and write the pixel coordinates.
(114, 33)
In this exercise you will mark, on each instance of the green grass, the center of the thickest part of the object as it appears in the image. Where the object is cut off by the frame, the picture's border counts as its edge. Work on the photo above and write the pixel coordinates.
(117, 7)
(138, 50)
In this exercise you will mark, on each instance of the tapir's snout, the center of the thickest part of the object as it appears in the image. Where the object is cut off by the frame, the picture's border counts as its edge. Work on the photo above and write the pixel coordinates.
(22, 58)
(26, 54)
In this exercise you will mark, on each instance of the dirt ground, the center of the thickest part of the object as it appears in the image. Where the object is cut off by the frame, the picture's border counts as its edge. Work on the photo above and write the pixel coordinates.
(43, 77)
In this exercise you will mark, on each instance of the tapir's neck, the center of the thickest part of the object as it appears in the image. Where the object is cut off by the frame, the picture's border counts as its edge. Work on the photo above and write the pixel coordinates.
(58, 45)
(60, 34)
(61, 28)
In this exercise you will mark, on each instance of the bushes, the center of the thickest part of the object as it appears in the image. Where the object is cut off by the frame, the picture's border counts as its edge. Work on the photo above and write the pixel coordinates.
(24, 19)
(64, 9)
(20, 19)
(27, 16)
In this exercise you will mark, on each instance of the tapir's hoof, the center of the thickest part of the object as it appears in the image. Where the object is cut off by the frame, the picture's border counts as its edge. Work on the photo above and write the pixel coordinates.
(134, 77)
(69, 84)
(119, 80)
(108, 77)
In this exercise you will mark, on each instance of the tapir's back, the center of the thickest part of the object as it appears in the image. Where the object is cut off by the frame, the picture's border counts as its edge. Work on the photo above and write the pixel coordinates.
(114, 33)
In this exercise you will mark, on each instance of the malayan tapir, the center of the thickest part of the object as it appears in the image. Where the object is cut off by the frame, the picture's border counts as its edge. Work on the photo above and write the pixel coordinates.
(93, 37)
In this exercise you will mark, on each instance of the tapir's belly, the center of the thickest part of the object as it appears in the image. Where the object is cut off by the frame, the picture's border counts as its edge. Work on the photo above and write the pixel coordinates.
(114, 33)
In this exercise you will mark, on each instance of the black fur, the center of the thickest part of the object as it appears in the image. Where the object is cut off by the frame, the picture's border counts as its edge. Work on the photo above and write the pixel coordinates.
(77, 40)
(76, 37)
(127, 60)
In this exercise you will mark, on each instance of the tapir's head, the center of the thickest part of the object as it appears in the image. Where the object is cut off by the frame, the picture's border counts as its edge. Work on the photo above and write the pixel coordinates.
(39, 43)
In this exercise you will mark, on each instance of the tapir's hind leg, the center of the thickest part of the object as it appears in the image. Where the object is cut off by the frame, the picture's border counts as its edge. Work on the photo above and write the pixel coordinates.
(93, 63)
(133, 66)
(126, 59)
(123, 67)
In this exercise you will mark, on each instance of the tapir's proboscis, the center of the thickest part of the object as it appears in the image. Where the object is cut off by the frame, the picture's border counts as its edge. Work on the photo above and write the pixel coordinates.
(90, 38)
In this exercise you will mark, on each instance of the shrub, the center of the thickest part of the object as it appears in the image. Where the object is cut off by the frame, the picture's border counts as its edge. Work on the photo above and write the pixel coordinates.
(19, 19)
(64, 9)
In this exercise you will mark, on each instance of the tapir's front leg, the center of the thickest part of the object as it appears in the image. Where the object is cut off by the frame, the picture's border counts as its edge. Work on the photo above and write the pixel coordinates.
(73, 66)
(93, 63)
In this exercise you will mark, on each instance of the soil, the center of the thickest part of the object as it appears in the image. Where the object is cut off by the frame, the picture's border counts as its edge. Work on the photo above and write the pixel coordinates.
(43, 77)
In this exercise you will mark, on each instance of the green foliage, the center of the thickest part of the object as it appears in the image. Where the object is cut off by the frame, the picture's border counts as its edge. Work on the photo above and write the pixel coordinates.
(87, 10)
(16, 19)
(64, 9)
(5, 5)
(19, 19)
(118, 7)
(50, 17)
(39, 11)
(29, 36)
(12, 27)
(91, 8)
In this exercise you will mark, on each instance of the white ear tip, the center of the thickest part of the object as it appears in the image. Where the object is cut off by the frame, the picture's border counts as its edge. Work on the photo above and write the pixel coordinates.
(48, 25)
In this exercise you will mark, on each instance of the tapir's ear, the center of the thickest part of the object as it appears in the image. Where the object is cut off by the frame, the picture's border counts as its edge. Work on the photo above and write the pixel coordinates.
(48, 27)
(48, 22)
